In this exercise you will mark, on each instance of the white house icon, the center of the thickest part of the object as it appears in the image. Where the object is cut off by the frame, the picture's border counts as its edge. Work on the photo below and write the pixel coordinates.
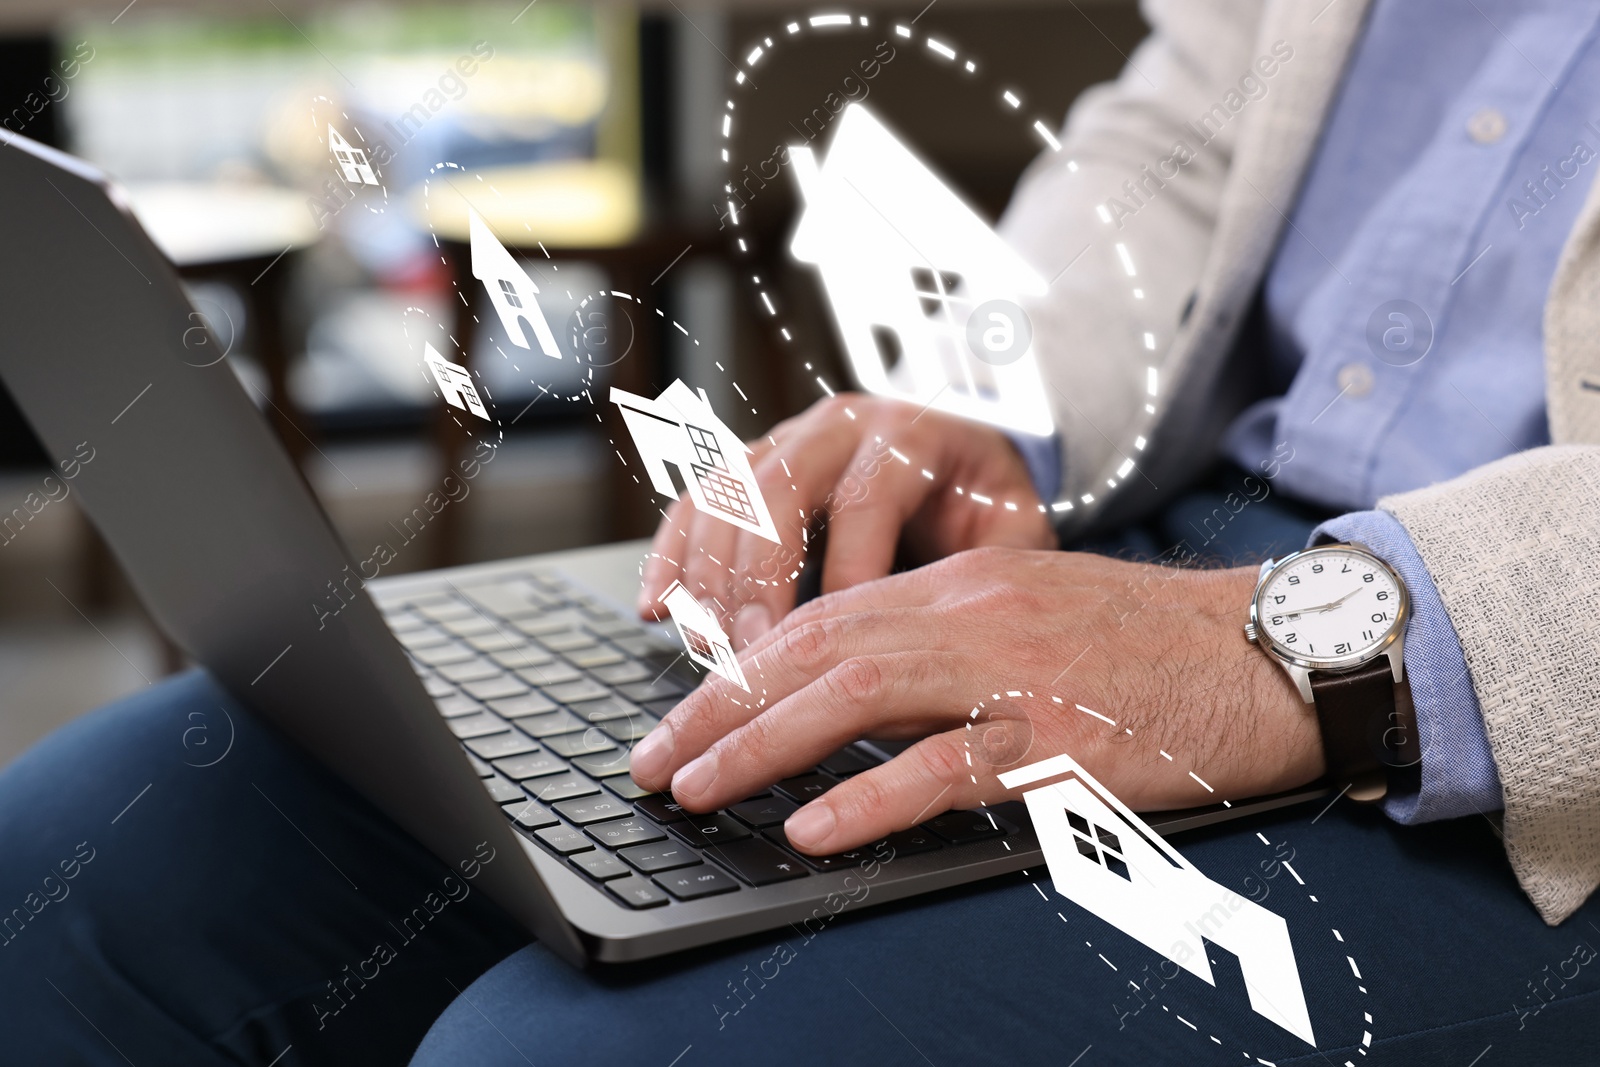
(1105, 859)
(904, 261)
(352, 160)
(702, 635)
(454, 382)
(512, 292)
(679, 429)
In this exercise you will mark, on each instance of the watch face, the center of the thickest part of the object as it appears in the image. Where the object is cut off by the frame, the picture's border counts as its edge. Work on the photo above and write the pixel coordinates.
(1336, 605)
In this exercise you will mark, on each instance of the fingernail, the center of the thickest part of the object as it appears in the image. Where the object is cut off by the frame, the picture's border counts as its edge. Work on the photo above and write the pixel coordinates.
(751, 623)
(693, 780)
(811, 825)
(650, 755)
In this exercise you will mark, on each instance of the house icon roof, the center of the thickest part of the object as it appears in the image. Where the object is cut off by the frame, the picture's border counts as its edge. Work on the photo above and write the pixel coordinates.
(875, 219)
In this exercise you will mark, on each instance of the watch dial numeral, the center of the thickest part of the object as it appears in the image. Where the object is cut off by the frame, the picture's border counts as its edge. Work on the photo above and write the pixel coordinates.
(1279, 599)
(1341, 648)
(1294, 579)
(1367, 577)
(1277, 620)
(1383, 594)
(1366, 635)
(1345, 569)
(1380, 617)
(1291, 638)
(1316, 568)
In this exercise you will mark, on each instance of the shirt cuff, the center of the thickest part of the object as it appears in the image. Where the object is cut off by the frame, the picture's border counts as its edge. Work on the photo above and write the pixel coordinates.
(1043, 457)
(1458, 772)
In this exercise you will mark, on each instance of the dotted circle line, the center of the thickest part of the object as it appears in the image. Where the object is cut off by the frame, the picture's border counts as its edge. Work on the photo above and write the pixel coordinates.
(1355, 970)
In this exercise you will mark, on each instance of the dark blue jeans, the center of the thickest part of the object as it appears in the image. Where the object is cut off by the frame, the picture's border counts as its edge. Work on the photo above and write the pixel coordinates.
(178, 884)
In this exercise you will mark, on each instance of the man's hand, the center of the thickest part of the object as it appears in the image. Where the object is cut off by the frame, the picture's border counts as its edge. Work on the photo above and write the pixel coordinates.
(835, 457)
(1156, 650)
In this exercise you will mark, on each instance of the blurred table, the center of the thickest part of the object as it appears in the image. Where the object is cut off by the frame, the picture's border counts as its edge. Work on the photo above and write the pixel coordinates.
(247, 237)
(584, 210)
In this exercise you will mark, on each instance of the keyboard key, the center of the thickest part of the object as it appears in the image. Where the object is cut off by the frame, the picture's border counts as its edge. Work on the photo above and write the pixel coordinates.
(759, 862)
(504, 792)
(562, 787)
(443, 654)
(495, 688)
(552, 673)
(429, 638)
(470, 627)
(657, 689)
(959, 827)
(601, 866)
(402, 621)
(564, 839)
(630, 729)
(638, 646)
(498, 746)
(572, 692)
(702, 831)
(480, 768)
(603, 764)
(910, 842)
(597, 808)
(480, 725)
(839, 861)
(444, 608)
(513, 597)
(574, 744)
(559, 621)
(557, 722)
(626, 788)
(625, 671)
(532, 765)
(437, 687)
(567, 641)
(497, 641)
(598, 656)
(848, 761)
(666, 855)
(475, 670)
(457, 705)
(619, 833)
(525, 704)
(692, 883)
(616, 626)
(659, 708)
(598, 711)
(804, 787)
(660, 807)
(771, 811)
(636, 892)
(513, 659)
(530, 813)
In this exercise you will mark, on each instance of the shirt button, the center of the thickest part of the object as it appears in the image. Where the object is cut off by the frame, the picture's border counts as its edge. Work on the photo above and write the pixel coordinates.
(1355, 379)
(1487, 126)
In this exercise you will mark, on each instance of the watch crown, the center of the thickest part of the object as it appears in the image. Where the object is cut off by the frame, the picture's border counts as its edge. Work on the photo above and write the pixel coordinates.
(1250, 632)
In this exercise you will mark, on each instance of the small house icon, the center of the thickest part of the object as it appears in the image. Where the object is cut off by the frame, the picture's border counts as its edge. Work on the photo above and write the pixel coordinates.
(679, 429)
(454, 382)
(512, 292)
(702, 635)
(352, 160)
(904, 262)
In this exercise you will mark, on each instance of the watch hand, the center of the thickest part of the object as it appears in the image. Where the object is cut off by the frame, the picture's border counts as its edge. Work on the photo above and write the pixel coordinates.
(1341, 600)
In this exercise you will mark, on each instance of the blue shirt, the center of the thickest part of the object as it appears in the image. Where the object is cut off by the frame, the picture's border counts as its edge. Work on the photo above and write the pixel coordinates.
(1405, 304)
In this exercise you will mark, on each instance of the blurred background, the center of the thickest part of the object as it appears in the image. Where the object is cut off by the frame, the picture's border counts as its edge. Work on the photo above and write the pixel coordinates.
(601, 123)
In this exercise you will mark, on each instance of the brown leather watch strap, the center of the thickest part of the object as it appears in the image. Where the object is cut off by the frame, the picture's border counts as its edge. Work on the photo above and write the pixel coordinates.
(1367, 734)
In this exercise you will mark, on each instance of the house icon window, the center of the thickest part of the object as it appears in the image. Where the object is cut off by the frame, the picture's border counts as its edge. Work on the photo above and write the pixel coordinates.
(510, 292)
(1108, 852)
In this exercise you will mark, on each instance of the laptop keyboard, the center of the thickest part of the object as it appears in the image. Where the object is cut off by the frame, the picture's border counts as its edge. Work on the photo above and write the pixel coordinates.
(548, 689)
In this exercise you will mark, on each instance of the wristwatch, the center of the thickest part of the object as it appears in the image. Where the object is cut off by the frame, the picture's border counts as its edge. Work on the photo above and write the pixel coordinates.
(1333, 617)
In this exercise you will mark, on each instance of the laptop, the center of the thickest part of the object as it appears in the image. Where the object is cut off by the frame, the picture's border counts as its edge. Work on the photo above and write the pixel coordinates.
(493, 703)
